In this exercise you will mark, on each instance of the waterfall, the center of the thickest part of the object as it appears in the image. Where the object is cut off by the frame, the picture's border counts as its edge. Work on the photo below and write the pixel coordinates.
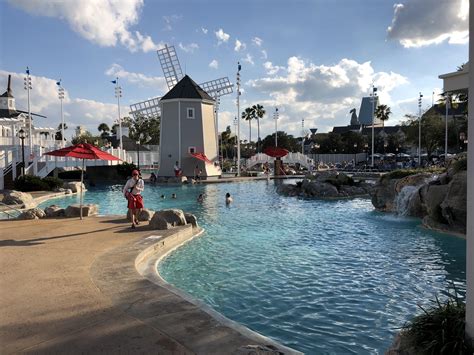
(402, 201)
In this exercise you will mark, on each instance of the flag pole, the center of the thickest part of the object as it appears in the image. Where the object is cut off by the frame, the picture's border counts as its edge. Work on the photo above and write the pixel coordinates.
(82, 182)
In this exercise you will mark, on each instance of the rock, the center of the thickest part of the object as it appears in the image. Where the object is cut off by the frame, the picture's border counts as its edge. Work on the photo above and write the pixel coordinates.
(59, 189)
(412, 180)
(12, 197)
(54, 211)
(383, 195)
(258, 350)
(322, 189)
(431, 198)
(34, 213)
(87, 210)
(454, 206)
(166, 219)
(28, 214)
(191, 219)
(144, 215)
(68, 192)
(74, 186)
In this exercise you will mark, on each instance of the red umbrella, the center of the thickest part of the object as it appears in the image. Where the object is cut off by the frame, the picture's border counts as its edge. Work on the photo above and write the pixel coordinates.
(82, 151)
(276, 152)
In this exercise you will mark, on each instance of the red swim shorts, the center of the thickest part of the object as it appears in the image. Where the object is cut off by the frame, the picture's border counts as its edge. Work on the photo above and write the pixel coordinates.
(135, 201)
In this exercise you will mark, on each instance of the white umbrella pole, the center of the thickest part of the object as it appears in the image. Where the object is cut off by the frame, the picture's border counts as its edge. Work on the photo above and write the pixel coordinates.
(82, 181)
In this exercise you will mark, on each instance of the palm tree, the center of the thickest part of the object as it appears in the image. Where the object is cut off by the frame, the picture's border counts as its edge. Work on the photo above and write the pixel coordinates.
(259, 112)
(249, 115)
(104, 128)
(383, 112)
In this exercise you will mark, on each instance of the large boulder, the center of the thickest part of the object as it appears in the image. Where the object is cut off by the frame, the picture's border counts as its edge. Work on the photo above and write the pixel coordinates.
(321, 189)
(432, 196)
(23, 199)
(54, 211)
(454, 206)
(166, 219)
(413, 180)
(34, 213)
(74, 186)
(87, 210)
(144, 215)
(191, 219)
(383, 195)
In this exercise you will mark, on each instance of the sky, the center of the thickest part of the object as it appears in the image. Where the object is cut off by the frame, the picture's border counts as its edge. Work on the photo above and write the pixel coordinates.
(313, 59)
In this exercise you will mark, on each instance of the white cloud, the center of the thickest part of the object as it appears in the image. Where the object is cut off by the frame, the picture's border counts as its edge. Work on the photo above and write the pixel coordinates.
(139, 79)
(320, 93)
(248, 59)
(264, 54)
(239, 46)
(44, 101)
(104, 22)
(170, 20)
(189, 48)
(204, 30)
(222, 37)
(418, 23)
(271, 69)
(214, 64)
(257, 41)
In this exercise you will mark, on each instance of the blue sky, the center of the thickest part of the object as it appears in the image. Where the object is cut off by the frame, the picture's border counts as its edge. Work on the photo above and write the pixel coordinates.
(312, 59)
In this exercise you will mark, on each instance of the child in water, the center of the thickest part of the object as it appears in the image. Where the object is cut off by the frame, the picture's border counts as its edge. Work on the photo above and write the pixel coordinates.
(228, 199)
(200, 198)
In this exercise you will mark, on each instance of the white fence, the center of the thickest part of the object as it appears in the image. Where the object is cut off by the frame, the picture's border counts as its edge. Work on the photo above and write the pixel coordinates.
(42, 142)
(338, 158)
(147, 158)
(290, 158)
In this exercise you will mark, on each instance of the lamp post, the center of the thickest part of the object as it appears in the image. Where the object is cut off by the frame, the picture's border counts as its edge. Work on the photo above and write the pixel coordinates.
(138, 154)
(61, 98)
(419, 128)
(374, 95)
(239, 67)
(21, 135)
(302, 136)
(275, 117)
(234, 152)
(28, 87)
(448, 107)
(118, 95)
(355, 155)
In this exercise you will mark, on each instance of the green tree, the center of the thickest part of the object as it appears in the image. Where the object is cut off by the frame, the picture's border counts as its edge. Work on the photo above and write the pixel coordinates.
(145, 129)
(104, 129)
(248, 115)
(432, 131)
(286, 141)
(383, 112)
(259, 112)
(87, 137)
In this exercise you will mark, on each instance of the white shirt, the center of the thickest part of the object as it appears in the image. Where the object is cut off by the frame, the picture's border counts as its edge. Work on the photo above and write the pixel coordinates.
(138, 186)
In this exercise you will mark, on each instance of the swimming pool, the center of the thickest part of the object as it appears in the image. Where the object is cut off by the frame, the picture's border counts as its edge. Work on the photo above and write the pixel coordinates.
(318, 276)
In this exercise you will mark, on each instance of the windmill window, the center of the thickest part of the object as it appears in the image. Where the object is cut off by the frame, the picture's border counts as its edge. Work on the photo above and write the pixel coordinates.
(190, 113)
(191, 150)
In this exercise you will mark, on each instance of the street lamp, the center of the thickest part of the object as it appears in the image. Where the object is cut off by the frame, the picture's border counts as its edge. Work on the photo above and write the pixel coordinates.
(374, 95)
(138, 154)
(118, 95)
(22, 136)
(275, 117)
(419, 128)
(239, 67)
(61, 98)
(28, 87)
(355, 154)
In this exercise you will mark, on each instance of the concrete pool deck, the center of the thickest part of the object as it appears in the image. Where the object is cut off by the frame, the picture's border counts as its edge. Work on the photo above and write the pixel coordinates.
(71, 286)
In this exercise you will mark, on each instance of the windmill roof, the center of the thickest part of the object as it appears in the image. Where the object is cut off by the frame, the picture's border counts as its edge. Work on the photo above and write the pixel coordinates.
(187, 88)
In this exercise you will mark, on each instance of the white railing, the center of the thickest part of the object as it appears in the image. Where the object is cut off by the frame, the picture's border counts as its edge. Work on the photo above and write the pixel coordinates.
(15, 141)
(290, 158)
(147, 158)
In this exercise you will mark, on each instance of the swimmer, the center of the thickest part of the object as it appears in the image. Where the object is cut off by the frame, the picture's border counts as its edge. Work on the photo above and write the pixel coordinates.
(228, 199)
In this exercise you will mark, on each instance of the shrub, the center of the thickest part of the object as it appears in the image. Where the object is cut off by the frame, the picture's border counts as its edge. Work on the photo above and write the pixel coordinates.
(125, 170)
(439, 329)
(460, 164)
(53, 183)
(30, 183)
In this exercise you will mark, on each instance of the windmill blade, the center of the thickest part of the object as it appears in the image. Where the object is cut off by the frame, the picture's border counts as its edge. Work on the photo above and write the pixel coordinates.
(218, 87)
(170, 64)
(147, 108)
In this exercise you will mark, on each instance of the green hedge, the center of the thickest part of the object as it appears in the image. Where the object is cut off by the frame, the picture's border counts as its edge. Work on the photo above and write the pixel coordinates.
(35, 183)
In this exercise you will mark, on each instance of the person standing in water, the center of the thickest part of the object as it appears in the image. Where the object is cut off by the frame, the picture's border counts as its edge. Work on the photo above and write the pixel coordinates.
(132, 192)
(228, 199)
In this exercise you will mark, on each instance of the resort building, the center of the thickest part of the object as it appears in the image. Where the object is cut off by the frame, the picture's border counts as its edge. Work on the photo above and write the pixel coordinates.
(188, 131)
(12, 120)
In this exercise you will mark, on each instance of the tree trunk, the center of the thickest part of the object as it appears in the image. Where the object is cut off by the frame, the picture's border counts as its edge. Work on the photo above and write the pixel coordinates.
(258, 135)
(250, 131)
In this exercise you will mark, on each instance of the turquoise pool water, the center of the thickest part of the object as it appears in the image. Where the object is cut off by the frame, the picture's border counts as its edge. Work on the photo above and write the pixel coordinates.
(321, 277)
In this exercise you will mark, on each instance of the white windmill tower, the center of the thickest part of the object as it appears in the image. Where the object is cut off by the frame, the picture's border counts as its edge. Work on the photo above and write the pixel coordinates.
(178, 151)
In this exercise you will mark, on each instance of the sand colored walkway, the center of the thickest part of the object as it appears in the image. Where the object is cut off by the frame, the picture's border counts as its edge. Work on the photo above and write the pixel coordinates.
(70, 286)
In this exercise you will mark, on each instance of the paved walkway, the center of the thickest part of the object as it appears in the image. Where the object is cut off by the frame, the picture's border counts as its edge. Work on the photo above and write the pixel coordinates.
(70, 286)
